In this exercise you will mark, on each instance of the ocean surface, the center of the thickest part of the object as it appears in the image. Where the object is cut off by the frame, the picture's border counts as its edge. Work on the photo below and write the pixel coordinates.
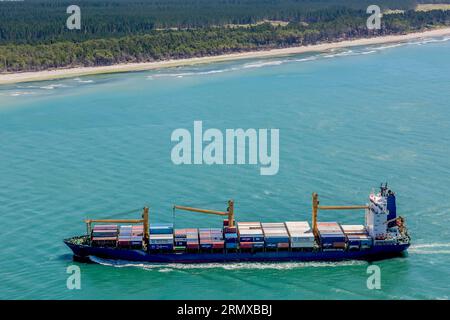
(349, 119)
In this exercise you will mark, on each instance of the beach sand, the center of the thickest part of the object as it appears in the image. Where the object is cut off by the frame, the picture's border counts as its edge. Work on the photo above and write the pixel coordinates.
(8, 78)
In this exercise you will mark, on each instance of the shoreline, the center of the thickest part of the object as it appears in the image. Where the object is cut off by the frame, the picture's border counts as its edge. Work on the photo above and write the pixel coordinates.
(11, 78)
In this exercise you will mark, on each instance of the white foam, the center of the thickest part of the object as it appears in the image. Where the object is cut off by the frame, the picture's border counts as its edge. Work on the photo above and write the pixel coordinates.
(430, 248)
(83, 81)
(226, 266)
(53, 86)
(430, 245)
(187, 74)
(368, 52)
(263, 64)
(429, 251)
(390, 46)
(312, 58)
(332, 53)
(20, 93)
(340, 54)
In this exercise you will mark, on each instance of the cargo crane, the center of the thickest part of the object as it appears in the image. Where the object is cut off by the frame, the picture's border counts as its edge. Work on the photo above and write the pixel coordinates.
(144, 221)
(229, 212)
(316, 207)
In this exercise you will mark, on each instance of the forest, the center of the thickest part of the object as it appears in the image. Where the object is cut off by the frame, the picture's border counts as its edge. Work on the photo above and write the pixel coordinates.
(33, 33)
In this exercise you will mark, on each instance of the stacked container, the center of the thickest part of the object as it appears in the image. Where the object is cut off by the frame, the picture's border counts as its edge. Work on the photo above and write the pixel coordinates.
(104, 235)
(137, 234)
(124, 240)
(186, 239)
(231, 237)
(251, 235)
(357, 237)
(161, 228)
(192, 243)
(180, 240)
(211, 238)
(300, 235)
(161, 237)
(275, 235)
(331, 236)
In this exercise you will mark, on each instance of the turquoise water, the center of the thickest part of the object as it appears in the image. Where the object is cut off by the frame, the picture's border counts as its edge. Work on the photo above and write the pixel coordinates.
(348, 120)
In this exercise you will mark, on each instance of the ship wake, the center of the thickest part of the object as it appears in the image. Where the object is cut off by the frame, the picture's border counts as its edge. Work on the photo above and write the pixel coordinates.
(225, 266)
(430, 248)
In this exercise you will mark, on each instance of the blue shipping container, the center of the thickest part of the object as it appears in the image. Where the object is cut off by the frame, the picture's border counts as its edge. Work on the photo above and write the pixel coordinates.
(161, 247)
(277, 239)
(251, 239)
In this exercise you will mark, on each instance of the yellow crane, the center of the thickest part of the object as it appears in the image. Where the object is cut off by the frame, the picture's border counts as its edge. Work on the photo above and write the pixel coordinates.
(229, 212)
(144, 221)
(316, 207)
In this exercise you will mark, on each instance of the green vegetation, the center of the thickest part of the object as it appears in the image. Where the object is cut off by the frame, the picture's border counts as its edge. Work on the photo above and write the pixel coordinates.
(33, 35)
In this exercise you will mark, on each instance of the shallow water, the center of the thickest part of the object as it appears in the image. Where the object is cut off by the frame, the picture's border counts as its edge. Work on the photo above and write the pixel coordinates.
(348, 119)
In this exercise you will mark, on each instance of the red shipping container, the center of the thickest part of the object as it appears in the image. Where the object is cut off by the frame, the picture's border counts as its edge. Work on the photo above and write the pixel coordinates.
(283, 245)
(105, 226)
(104, 239)
(124, 242)
(230, 230)
(218, 245)
(339, 244)
(246, 245)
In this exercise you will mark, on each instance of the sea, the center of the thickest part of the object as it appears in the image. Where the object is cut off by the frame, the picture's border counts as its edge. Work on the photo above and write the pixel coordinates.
(348, 119)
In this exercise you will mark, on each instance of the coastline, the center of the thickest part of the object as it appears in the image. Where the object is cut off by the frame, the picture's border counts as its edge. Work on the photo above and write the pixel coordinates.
(10, 78)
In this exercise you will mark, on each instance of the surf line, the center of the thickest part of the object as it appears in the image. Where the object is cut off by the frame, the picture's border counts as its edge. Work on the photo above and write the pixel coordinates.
(241, 147)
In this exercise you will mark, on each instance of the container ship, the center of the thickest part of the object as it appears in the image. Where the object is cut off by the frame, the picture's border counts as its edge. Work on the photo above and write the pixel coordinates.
(383, 235)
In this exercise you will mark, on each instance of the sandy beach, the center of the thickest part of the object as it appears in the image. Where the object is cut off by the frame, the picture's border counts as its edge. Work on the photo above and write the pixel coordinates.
(80, 71)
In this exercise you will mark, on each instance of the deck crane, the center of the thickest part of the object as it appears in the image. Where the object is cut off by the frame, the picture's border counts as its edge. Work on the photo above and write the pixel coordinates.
(144, 221)
(316, 207)
(229, 212)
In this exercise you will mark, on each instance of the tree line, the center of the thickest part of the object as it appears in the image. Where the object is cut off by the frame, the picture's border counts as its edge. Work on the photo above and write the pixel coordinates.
(157, 45)
(44, 21)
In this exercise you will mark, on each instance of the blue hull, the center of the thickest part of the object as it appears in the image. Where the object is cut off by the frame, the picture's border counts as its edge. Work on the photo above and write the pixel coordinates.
(82, 252)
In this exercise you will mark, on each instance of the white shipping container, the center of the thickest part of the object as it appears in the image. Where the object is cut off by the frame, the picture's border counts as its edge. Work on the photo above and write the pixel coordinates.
(272, 225)
(161, 239)
(302, 224)
(309, 243)
(351, 228)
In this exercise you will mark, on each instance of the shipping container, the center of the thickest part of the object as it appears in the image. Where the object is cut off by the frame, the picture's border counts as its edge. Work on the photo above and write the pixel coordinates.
(218, 244)
(161, 239)
(230, 230)
(231, 245)
(161, 228)
(192, 245)
(300, 234)
(161, 247)
(354, 229)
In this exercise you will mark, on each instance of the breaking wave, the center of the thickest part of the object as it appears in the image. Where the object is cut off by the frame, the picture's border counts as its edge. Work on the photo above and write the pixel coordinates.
(54, 86)
(20, 93)
(79, 80)
(160, 267)
(333, 53)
